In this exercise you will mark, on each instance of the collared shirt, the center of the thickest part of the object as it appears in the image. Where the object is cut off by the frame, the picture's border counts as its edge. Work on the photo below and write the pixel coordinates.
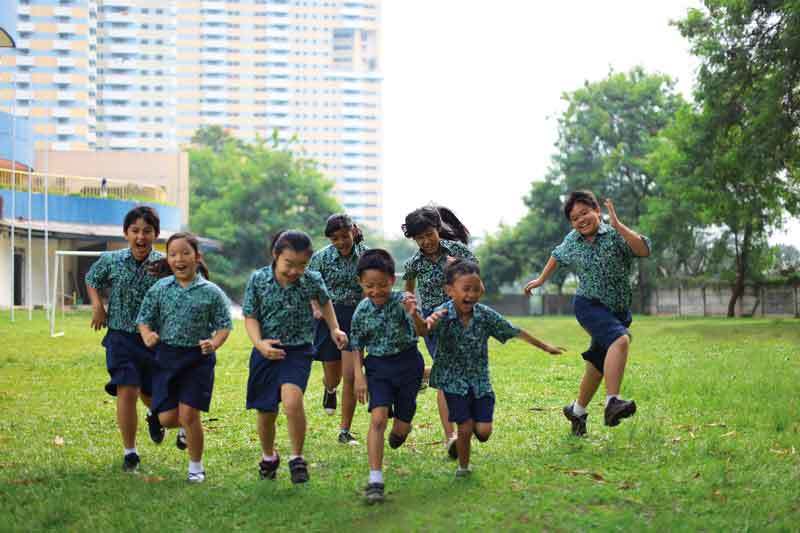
(183, 316)
(382, 330)
(430, 274)
(284, 312)
(129, 281)
(603, 266)
(339, 273)
(462, 352)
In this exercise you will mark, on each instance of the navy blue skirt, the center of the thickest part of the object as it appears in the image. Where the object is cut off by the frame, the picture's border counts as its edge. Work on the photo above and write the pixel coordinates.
(128, 361)
(324, 347)
(183, 375)
(268, 375)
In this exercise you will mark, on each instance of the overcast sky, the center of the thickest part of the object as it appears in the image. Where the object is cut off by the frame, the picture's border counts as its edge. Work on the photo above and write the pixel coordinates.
(472, 92)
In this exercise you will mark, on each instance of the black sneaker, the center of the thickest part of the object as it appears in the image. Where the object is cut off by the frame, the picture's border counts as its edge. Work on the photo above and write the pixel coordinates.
(155, 428)
(578, 422)
(329, 401)
(299, 470)
(373, 493)
(395, 440)
(616, 410)
(269, 469)
(131, 462)
(345, 437)
(180, 440)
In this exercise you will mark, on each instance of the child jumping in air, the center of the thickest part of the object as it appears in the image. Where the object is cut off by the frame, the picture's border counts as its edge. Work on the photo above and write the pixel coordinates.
(602, 256)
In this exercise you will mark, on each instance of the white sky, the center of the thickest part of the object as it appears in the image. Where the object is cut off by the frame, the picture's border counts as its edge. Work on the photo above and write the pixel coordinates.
(472, 92)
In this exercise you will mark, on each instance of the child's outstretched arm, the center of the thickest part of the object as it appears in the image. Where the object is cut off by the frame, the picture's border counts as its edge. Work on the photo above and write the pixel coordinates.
(99, 316)
(410, 304)
(329, 315)
(360, 382)
(530, 339)
(548, 269)
(634, 240)
(213, 344)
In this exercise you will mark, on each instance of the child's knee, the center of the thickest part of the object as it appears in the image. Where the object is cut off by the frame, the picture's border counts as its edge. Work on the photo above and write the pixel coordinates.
(188, 416)
(623, 342)
(378, 422)
(169, 419)
(483, 432)
(465, 429)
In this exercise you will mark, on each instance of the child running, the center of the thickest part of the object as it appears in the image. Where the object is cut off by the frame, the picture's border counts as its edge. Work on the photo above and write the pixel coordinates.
(127, 274)
(383, 328)
(337, 264)
(280, 323)
(441, 237)
(461, 367)
(187, 319)
(602, 257)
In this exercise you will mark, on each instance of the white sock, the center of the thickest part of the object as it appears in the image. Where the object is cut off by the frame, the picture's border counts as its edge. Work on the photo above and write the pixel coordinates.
(270, 458)
(331, 391)
(293, 457)
(195, 468)
(462, 468)
(181, 432)
(609, 396)
(131, 450)
(578, 409)
(376, 476)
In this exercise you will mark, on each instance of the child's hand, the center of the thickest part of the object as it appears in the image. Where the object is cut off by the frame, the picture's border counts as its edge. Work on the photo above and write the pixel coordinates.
(207, 346)
(553, 350)
(533, 284)
(360, 387)
(612, 214)
(317, 313)
(410, 303)
(99, 317)
(450, 259)
(434, 318)
(339, 338)
(268, 350)
(150, 339)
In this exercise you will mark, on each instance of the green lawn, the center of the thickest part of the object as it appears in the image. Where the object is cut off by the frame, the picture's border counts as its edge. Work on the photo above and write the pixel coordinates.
(713, 446)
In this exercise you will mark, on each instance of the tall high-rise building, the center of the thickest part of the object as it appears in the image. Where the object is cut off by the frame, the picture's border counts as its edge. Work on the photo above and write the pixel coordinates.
(146, 74)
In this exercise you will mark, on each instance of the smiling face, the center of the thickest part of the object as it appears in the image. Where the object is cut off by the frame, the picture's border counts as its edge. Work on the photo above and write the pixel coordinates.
(377, 285)
(585, 219)
(342, 240)
(428, 241)
(290, 265)
(140, 236)
(465, 291)
(182, 259)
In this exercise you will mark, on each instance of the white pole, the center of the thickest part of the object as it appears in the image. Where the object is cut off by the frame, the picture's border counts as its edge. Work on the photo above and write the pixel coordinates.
(63, 285)
(29, 255)
(46, 234)
(13, 184)
(55, 295)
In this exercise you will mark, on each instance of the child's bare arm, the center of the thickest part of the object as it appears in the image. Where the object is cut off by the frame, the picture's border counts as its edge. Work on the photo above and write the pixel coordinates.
(360, 382)
(329, 315)
(215, 342)
(410, 304)
(411, 285)
(634, 240)
(149, 336)
(99, 316)
(530, 339)
(547, 271)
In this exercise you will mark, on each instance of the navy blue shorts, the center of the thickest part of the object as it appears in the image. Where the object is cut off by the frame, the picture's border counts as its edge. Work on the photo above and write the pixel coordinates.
(393, 381)
(468, 407)
(431, 339)
(268, 375)
(129, 361)
(604, 326)
(324, 347)
(183, 375)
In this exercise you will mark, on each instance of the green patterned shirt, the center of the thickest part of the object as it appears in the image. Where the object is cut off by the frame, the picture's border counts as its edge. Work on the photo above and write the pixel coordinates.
(128, 279)
(183, 316)
(603, 266)
(384, 330)
(462, 353)
(339, 273)
(430, 274)
(284, 313)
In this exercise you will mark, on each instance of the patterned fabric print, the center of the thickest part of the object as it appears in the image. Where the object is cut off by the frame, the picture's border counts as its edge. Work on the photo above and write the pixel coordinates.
(129, 281)
(284, 313)
(185, 316)
(339, 273)
(462, 356)
(384, 330)
(603, 267)
(430, 275)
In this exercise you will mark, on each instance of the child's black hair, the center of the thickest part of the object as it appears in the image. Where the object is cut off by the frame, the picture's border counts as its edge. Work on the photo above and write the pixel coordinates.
(376, 259)
(583, 197)
(161, 269)
(296, 240)
(440, 218)
(343, 221)
(460, 267)
(146, 213)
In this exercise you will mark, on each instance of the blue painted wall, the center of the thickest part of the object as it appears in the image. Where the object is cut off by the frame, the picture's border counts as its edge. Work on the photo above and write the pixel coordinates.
(77, 210)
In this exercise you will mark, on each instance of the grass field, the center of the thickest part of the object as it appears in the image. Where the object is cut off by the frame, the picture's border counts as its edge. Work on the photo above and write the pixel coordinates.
(714, 445)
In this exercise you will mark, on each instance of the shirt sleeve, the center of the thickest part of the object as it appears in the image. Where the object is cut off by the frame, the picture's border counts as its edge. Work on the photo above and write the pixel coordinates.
(358, 333)
(409, 272)
(320, 289)
(149, 310)
(561, 252)
(460, 250)
(498, 327)
(99, 275)
(252, 300)
(221, 316)
(316, 262)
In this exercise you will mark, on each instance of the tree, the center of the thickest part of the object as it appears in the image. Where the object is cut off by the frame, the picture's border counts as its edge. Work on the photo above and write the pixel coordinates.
(244, 193)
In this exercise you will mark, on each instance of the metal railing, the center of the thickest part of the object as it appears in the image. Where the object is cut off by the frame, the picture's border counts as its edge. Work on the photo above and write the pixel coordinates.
(85, 187)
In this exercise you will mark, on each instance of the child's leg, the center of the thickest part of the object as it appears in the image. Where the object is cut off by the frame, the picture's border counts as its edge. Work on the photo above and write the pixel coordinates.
(292, 399)
(444, 416)
(127, 420)
(589, 384)
(400, 428)
(169, 419)
(483, 430)
(614, 367)
(464, 442)
(189, 418)
(332, 374)
(377, 428)
(147, 400)
(348, 389)
(266, 431)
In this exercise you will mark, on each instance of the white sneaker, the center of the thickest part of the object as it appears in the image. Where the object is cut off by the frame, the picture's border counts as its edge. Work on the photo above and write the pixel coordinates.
(196, 477)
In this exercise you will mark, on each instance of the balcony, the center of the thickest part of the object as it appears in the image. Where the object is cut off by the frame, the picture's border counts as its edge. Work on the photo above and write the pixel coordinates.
(65, 62)
(62, 11)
